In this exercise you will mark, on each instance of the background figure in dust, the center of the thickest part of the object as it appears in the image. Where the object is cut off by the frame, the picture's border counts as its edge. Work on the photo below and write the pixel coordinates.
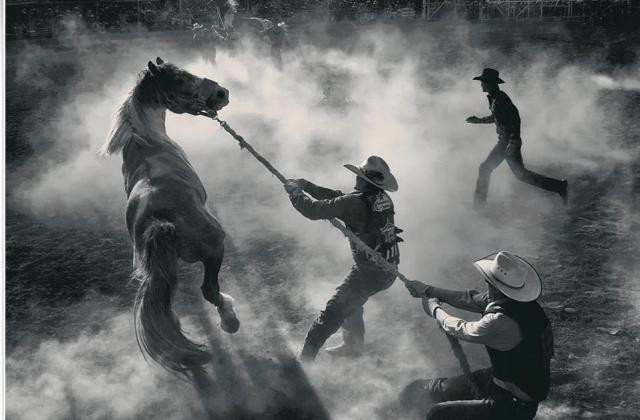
(277, 35)
(206, 40)
(368, 212)
(335, 94)
(224, 12)
(262, 32)
(507, 120)
(260, 29)
(220, 34)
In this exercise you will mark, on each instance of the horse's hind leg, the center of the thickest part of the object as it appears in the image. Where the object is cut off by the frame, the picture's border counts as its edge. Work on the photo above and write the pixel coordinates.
(211, 291)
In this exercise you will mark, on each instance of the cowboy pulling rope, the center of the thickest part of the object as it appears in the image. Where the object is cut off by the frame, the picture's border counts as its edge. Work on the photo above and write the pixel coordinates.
(373, 255)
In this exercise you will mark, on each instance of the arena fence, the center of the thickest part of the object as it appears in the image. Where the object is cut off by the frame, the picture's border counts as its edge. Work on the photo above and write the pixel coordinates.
(38, 19)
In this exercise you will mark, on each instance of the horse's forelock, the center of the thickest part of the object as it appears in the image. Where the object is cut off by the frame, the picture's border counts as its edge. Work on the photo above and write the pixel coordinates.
(144, 72)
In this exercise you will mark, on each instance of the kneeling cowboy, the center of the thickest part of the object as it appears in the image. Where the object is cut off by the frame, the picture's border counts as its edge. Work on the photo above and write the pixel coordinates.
(368, 212)
(516, 333)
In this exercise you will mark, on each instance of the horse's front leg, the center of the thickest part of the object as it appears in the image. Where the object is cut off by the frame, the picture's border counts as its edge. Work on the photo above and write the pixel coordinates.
(211, 291)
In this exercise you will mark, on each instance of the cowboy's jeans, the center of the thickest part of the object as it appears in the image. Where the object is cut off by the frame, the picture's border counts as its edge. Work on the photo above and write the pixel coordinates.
(455, 400)
(353, 328)
(345, 309)
(516, 163)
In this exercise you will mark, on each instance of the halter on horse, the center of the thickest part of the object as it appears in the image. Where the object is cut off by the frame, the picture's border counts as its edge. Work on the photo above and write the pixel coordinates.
(166, 213)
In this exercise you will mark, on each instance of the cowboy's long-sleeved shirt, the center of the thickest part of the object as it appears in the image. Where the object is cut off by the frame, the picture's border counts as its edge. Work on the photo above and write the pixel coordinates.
(351, 208)
(495, 330)
(330, 203)
(506, 117)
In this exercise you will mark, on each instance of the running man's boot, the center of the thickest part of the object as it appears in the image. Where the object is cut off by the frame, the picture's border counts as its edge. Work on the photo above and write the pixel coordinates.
(564, 191)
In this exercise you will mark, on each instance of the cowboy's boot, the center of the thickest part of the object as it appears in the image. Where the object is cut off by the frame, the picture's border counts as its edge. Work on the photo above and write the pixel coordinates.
(352, 346)
(482, 187)
(564, 191)
(308, 353)
(478, 203)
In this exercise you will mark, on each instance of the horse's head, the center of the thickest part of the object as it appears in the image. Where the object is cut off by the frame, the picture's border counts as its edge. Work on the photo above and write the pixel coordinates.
(183, 92)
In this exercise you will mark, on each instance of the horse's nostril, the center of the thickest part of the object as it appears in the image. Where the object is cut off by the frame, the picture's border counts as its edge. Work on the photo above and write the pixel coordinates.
(221, 94)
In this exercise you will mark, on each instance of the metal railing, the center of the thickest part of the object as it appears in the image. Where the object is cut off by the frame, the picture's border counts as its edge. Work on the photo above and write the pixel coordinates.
(30, 19)
(529, 9)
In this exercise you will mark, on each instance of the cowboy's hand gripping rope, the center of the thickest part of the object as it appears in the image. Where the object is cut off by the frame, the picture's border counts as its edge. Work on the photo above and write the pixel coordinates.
(456, 348)
(373, 255)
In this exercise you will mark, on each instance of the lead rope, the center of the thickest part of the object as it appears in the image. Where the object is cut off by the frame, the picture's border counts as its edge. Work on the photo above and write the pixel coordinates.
(373, 256)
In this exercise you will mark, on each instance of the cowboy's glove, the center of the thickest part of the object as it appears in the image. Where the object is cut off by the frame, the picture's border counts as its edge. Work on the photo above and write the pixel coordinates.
(302, 183)
(430, 305)
(292, 187)
(416, 288)
(473, 120)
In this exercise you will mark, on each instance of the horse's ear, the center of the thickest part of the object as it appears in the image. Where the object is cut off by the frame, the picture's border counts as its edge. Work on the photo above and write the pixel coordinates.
(159, 61)
(153, 68)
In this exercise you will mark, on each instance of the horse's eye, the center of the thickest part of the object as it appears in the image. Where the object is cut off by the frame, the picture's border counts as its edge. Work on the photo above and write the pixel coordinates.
(179, 82)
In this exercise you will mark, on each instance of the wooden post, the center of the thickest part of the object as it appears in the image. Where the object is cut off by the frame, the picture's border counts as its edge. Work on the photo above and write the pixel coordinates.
(541, 9)
(53, 29)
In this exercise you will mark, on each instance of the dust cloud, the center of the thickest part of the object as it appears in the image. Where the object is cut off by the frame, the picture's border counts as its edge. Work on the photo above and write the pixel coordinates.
(99, 375)
(412, 93)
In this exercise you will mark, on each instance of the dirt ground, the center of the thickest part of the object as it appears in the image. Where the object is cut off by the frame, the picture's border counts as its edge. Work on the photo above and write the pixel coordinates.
(53, 265)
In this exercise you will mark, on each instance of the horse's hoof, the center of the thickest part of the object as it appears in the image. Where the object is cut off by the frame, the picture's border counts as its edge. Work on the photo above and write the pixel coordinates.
(228, 320)
(231, 326)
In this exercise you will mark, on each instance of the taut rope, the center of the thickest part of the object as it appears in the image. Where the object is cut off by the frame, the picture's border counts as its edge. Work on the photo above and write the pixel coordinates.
(373, 255)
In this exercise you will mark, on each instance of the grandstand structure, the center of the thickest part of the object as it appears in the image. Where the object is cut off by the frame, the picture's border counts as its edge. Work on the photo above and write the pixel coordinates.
(526, 9)
(49, 18)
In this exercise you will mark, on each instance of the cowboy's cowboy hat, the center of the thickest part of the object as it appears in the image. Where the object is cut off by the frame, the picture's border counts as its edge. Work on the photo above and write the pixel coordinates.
(490, 76)
(511, 274)
(376, 172)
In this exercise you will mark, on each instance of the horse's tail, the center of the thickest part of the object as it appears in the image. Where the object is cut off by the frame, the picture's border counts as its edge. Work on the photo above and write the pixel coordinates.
(157, 327)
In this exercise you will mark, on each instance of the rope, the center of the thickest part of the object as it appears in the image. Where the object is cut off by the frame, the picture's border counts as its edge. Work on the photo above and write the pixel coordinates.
(373, 255)
(464, 365)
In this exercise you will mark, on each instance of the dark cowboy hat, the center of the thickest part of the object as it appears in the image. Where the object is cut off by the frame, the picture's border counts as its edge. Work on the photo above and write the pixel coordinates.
(490, 76)
(376, 172)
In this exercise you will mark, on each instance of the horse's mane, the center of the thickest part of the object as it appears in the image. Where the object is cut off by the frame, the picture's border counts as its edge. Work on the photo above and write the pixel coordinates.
(132, 119)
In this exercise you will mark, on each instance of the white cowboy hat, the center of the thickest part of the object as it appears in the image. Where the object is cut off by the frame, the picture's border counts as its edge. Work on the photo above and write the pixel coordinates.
(376, 172)
(512, 275)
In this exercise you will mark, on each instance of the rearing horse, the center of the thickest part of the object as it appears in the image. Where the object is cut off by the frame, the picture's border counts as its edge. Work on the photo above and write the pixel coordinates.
(166, 213)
